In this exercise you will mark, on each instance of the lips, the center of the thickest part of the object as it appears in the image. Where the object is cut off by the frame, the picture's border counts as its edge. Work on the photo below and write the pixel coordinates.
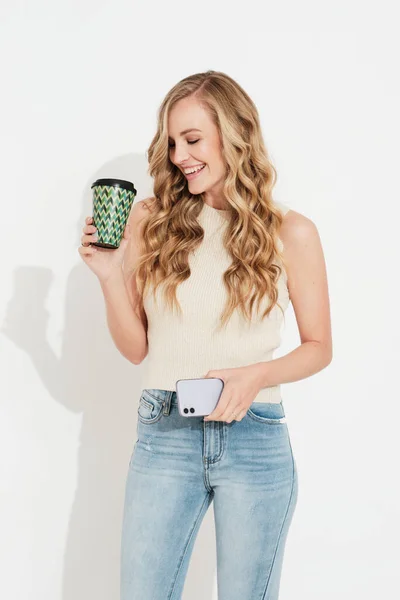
(194, 175)
(194, 167)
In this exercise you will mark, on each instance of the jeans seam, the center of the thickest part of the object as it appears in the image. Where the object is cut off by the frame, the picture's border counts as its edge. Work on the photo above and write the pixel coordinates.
(146, 403)
(267, 420)
(145, 390)
(186, 546)
(150, 406)
(283, 523)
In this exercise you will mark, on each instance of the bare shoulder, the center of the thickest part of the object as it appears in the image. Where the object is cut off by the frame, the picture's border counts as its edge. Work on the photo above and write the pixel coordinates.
(303, 254)
(297, 230)
(302, 250)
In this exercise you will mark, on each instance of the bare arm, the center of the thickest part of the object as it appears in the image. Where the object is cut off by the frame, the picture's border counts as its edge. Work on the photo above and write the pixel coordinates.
(128, 327)
(308, 289)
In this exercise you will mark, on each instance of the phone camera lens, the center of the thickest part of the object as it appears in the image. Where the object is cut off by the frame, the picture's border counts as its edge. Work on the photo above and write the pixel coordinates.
(185, 410)
(192, 410)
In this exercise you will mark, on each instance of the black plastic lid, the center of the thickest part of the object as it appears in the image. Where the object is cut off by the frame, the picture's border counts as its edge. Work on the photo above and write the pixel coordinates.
(126, 185)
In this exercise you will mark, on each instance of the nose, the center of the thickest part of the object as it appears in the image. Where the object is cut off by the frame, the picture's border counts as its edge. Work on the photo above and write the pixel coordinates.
(180, 155)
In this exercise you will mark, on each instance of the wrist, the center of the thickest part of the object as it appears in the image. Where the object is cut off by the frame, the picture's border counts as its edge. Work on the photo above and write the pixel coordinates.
(116, 276)
(260, 373)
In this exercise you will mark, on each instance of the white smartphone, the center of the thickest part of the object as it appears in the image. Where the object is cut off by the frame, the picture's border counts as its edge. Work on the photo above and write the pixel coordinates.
(198, 397)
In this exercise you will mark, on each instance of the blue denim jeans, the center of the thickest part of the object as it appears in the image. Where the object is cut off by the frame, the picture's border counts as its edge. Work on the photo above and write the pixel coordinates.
(179, 465)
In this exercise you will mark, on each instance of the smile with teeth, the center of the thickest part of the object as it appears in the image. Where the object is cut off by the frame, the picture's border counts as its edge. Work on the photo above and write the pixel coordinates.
(191, 174)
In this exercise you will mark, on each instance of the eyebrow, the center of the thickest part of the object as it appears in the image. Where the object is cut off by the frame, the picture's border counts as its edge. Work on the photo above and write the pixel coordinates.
(187, 131)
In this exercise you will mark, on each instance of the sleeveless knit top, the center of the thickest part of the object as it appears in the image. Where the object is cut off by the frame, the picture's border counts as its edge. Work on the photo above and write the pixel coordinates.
(187, 345)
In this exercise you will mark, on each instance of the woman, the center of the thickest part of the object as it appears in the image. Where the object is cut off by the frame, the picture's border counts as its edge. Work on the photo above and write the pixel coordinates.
(199, 287)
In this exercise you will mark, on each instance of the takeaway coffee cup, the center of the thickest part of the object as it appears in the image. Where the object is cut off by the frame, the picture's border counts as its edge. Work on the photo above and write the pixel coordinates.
(112, 202)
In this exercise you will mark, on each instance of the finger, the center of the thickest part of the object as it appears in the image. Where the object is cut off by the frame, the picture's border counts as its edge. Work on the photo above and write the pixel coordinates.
(87, 250)
(218, 412)
(231, 418)
(89, 229)
(232, 414)
(88, 239)
(212, 417)
(88, 220)
(241, 415)
(219, 409)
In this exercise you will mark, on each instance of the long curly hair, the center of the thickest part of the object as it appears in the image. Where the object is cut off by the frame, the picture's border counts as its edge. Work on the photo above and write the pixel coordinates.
(171, 231)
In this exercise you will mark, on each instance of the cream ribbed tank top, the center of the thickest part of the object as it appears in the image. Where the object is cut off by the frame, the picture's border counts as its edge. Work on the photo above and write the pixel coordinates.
(186, 346)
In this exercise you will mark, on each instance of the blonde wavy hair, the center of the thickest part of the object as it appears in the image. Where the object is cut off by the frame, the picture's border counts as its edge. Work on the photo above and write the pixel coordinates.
(171, 231)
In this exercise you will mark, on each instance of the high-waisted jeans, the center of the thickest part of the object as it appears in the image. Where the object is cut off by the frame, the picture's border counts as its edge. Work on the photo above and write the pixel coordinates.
(179, 465)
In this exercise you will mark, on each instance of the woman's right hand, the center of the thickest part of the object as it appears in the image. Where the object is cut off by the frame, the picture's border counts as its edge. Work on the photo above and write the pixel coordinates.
(104, 262)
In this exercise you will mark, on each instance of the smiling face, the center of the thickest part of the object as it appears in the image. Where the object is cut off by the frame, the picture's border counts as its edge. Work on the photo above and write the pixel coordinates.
(194, 142)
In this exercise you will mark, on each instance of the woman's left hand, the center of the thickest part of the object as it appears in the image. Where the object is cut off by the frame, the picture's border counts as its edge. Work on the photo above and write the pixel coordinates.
(241, 386)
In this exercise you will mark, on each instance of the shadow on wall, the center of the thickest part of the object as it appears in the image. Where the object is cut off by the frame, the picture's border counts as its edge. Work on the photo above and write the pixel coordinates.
(91, 377)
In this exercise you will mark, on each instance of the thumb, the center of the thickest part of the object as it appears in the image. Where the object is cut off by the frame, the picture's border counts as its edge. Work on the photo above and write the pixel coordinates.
(209, 374)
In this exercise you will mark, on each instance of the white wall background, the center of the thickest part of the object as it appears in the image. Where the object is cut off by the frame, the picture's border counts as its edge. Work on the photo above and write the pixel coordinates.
(82, 82)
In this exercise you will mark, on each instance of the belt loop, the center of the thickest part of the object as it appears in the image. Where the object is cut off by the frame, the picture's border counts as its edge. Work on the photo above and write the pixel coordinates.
(167, 402)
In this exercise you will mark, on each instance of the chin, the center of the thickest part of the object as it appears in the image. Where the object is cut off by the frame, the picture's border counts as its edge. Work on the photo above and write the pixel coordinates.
(197, 189)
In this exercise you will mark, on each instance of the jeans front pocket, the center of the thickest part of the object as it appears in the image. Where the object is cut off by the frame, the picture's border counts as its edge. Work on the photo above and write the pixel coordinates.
(150, 407)
(267, 412)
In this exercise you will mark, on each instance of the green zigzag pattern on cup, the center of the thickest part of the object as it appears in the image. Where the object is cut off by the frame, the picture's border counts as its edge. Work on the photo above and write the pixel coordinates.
(111, 207)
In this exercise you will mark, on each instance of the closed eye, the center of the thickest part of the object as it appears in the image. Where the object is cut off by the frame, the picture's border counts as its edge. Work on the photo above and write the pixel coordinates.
(192, 142)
